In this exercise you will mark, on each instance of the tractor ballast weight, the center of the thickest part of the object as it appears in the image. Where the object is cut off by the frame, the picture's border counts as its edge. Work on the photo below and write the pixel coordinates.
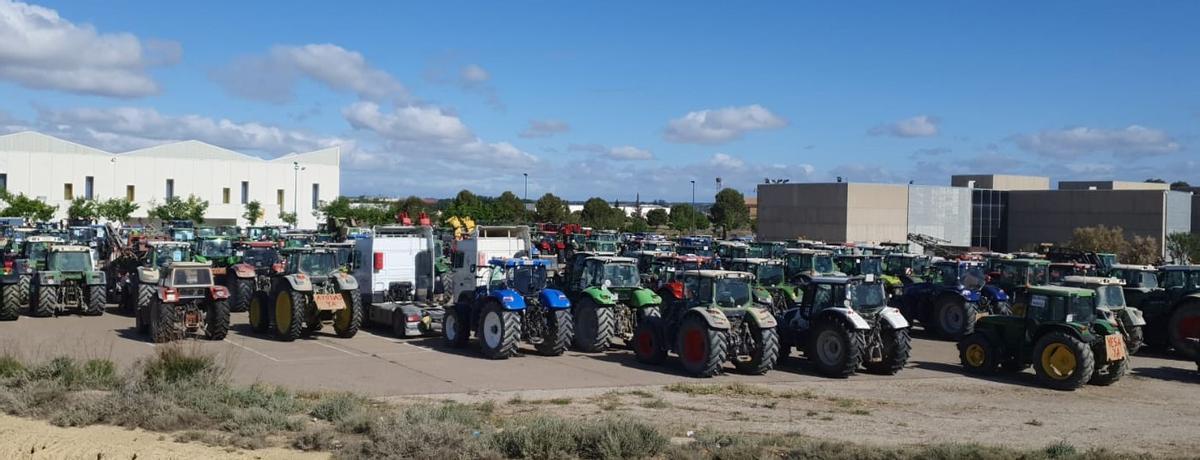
(513, 306)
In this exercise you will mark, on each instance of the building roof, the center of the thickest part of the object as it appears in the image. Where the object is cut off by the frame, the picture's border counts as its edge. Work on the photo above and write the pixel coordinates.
(32, 141)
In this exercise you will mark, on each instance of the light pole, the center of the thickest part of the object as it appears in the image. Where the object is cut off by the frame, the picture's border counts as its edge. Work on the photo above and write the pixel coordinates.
(526, 197)
(296, 193)
(692, 215)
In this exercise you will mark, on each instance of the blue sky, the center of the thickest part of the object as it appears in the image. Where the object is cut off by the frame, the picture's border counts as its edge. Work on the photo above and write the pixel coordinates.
(613, 99)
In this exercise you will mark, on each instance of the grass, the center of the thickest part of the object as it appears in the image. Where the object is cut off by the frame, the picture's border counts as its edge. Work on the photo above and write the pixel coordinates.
(736, 389)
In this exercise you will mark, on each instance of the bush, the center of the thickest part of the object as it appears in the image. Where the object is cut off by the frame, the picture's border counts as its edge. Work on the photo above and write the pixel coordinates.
(338, 407)
(544, 437)
(10, 367)
(172, 364)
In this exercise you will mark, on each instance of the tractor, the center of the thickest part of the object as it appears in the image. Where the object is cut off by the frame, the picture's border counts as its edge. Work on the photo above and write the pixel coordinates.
(186, 301)
(801, 265)
(902, 269)
(312, 290)
(607, 299)
(843, 323)
(69, 280)
(952, 298)
(768, 249)
(1110, 303)
(514, 305)
(769, 275)
(1014, 275)
(1059, 333)
(227, 268)
(138, 287)
(16, 284)
(860, 265)
(1169, 297)
(720, 317)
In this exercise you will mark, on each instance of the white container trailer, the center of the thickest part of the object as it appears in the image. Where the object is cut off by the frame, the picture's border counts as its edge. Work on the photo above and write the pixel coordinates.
(396, 278)
(484, 243)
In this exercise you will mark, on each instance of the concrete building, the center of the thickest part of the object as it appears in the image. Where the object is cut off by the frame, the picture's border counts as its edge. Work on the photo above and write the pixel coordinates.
(56, 171)
(989, 204)
(1036, 217)
(1000, 182)
(1110, 185)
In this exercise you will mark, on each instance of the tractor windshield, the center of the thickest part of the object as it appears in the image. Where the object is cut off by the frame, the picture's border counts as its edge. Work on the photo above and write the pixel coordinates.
(870, 266)
(971, 277)
(1038, 275)
(183, 234)
(769, 274)
(621, 275)
(526, 279)
(1111, 296)
(215, 248)
(74, 261)
(1081, 310)
(1181, 279)
(1139, 278)
(260, 257)
(37, 251)
(164, 255)
(317, 263)
(823, 264)
(867, 296)
(732, 292)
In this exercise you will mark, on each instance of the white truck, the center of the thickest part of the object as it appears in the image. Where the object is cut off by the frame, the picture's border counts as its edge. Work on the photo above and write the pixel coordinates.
(483, 244)
(397, 280)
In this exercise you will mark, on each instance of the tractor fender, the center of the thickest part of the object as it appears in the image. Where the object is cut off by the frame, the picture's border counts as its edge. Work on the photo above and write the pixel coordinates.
(790, 292)
(218, 292)
(345, 282)
(47, 278)
(971, 296)
(892, 318)
(601, 296)
(509, 298)
(761, 317)
(147, 275)
(242, 271)
(300, 283)
(715, 318)
(95, 279)
(995, 293)
(1130, 316)
(554, 299)
(763, 296)
(845, 315)
(643, 297)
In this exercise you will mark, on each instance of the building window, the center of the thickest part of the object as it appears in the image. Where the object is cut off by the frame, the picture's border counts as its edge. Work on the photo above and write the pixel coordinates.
(225, 195)
(89, 184)
(279, 198)
(316, 199)
(129, 196)
(3, 182)
(68, 191)
(245, 192)
(170, 188)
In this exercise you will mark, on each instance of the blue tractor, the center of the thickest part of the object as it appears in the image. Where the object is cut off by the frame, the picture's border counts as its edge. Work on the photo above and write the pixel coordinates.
(511, 304)
(953, 295)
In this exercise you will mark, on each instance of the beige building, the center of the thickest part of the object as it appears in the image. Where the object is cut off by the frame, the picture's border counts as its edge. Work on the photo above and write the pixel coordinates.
(1000, 182)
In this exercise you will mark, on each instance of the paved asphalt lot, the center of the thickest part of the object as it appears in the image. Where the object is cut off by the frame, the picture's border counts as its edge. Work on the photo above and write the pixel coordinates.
(375, 363)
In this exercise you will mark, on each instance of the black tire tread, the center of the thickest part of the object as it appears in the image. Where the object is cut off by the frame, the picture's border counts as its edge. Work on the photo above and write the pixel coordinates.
(216, 320)
(10, 307)
(765, 355)
(299, 310)
(717, 352)
(856, 343)
(511, 323)
(897, 346)
(240, 293)
(559, 331)
(97, 298)
(1086, 365)
(354, 303)
(45, 302)
(605, 322)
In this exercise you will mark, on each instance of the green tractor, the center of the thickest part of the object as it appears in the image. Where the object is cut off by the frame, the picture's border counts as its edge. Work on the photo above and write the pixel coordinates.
(720, 317)
(1110, 301)
(1059, 333)
(16, 283)
(1169, 298)
(69, 280)
(312, 290)
(902, 269)
(800, 265)
(768, 249)
(607, 299)
(1013, 275)
(769, 275)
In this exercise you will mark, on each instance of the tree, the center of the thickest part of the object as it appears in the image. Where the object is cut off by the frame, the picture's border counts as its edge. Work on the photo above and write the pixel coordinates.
(598, 214)
(684, 217)
(254, 212)
(1143, 250)
(1183, 247)
(20, 205)
(82, 209)
(288, 218)
(412, 205)
(467, 204)
(508, 209)
(1156, 181)
(729, 211)
(175, 208)
(552, 209)
(657, 217)
(637, 224)
(1180, 185)
(116, 209)
(1098, 239)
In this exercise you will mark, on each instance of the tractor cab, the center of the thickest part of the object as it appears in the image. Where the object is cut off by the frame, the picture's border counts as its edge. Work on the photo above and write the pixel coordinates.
(1110, 304)
(963, 275)
(1013, 274)
(614, 273)
(1059, 270)
(35, 248)
(901, 269)
(600, 246)
(162, 253)
(732, 250)
(860, 265)
(861, 294)
(768, 250)
(808, 263)
(217, 250)
(728, 291)
(767, 272)
(318, 264)
(347, 256)
(695, 246)
(263, 233)
(69, 258)
(263, 256)
(526, 276)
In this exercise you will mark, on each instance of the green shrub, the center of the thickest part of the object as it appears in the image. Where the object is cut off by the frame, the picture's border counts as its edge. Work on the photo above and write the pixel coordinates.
(337, 407)
(172, 364)
(10, 367)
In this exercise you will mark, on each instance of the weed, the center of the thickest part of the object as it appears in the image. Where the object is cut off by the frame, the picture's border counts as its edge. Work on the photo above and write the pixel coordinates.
(1034, 422)
(728, 389)
(642, 394)
(172, 364)
(656, 403)
(337, 407)
(10, 367)
(1060, 449)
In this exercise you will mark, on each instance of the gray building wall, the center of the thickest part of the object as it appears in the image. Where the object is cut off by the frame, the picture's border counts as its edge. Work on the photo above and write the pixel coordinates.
(876, 213)
(1036, 217)
(1196, 212)
(1001, 181)
(1110, 185)
(1179, 213)
(812, 211)
(941, 212)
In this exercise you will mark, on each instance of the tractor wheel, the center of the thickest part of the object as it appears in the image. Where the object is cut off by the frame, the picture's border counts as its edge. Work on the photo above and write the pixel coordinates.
(978, 354)
(835, 350)
(896, 347)
(454, 329)
(649, 342)
(955, 318)
(594, 326)
(142, 320)
(701, 348)
(145, 293)
(97, 298)
(45, 303)
(289, 312)
(260, 312)
(559, 329)
(347, 320)
(765, 354)
(1183, 325)
(499, 331)
(241, 292)
(10, 306)
(164, 321)
(216, 320)
(1110, 373)
(24, 289)
(1136, 338)
(1063, 362)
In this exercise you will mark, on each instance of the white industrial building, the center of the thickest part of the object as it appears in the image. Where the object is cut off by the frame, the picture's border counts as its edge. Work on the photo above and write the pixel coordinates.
(56, 171)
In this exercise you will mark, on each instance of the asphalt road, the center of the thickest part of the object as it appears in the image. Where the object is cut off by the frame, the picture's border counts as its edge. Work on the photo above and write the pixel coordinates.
(375, 363)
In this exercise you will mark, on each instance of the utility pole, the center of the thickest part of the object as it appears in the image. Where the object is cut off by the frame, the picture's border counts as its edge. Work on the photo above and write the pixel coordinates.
(526, 197)
(692, 217)
(296, 193)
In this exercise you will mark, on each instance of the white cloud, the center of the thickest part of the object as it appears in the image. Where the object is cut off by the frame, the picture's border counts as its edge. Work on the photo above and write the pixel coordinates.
(544, 128)
(41, 50)
(473, 73)
(621, 153)
(273, 77)
(918, 126)
(408, 123)
(722, 160)
(1130, 141)
(716, 126)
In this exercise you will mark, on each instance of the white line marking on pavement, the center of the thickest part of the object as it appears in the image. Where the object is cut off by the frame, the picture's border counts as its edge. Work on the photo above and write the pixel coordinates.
(339, 349)
(272, 358)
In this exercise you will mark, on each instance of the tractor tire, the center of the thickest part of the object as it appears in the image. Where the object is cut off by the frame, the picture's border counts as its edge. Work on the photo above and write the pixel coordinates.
(45, 302)
(955, 318)
(835, 350)
(97, 298)
(978, 354)
(1135, 340)
(559, 329)
(164, 321)
(290, 310)
(1111, 373)
(594, 325)
(347, 320)
(455, 330)
(10, 305)
(649, 341)
(241, 291)
(499, 331)
(897, 345)
(702, 350)
(260, 312)
(1063, 362)
(24, 289)
(142, 320)
(764, 356)
(216, 320)
(145, 293)
(1184, 324)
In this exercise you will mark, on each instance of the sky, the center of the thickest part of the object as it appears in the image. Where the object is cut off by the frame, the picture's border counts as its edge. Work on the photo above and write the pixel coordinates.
(618, 99)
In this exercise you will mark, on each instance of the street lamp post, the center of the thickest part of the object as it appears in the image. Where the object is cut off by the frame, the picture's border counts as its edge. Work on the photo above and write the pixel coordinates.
(692, 216)
(296, 193)
(526, 197)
